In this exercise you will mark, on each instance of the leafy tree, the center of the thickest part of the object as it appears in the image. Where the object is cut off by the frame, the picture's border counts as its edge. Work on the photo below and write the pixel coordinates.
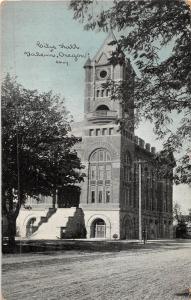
(177, 214)
(181, 227)
(162, 87)
(37, 148)
(181, 230)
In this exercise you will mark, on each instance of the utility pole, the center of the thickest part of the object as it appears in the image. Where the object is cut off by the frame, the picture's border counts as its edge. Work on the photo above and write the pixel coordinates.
(18, 168)
(140, 162)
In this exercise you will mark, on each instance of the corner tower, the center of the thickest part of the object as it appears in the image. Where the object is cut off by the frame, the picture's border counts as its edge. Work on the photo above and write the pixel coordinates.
(101, 149)
(99, 108)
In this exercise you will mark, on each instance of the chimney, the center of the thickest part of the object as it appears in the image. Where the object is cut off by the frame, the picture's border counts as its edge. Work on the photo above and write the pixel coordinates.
(141, 143)
(148, 147)
(153, 150)
(136, 139)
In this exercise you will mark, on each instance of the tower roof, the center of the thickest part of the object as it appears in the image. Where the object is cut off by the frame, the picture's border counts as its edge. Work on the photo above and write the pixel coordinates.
(88, 62)
(105, 48)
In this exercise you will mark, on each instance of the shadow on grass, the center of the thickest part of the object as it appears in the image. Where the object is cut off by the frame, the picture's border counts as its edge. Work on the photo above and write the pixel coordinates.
(90, 246)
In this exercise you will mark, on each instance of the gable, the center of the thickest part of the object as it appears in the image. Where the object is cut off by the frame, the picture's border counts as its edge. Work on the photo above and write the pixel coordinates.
(103, 59)
(106, 48)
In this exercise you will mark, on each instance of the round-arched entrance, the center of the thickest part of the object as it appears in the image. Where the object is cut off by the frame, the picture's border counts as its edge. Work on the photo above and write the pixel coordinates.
(30, 228)
(128, 229)
(98, 229)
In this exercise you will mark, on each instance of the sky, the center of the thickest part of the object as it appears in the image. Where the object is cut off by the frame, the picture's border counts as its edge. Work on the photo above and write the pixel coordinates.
(48, 28)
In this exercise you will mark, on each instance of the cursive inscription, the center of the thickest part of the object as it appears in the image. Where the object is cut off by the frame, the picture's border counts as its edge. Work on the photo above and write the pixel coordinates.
(62, 53)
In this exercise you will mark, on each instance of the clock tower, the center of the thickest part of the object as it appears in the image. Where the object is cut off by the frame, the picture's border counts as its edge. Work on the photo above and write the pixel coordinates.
(103, 145)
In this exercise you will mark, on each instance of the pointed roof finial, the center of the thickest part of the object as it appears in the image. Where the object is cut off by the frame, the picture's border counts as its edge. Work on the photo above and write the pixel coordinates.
(88, 61)
(111, 34)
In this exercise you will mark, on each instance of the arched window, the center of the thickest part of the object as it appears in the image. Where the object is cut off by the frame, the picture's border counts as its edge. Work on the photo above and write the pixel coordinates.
(107, 92)
(127, 167)
(147, 188)
(153, 187)
(102, 107)
(100, 171)
(102, 110)
(30, 228)
(97, 93)
(127, 177)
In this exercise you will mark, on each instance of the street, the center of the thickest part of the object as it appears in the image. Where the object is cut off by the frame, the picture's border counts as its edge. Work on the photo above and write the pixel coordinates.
(163, 273)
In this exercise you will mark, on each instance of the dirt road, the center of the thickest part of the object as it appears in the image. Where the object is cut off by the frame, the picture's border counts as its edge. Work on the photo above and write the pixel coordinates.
(163, 274)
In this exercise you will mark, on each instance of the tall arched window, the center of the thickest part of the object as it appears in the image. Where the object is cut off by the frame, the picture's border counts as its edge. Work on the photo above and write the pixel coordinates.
(127, 177)
(153, 183)
(100, 170)
(147, 188)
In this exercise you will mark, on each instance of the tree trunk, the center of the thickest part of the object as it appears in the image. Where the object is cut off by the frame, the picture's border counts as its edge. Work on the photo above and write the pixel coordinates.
(54, 198)
(11, 233)
(11, 214)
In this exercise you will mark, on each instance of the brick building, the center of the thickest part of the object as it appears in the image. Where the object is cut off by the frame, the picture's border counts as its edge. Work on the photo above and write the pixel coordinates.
(109, 200)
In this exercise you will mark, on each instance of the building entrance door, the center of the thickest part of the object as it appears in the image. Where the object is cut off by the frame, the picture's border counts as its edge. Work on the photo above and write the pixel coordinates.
(98, 229)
